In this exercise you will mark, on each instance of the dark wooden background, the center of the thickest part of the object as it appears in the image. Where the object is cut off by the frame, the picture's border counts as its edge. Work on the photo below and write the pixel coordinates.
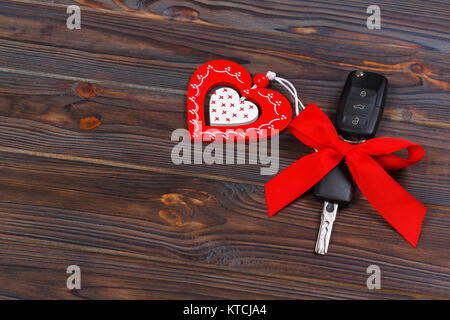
(85, 170)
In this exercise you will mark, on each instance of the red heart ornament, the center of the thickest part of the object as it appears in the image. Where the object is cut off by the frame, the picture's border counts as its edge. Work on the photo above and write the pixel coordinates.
(275, 110)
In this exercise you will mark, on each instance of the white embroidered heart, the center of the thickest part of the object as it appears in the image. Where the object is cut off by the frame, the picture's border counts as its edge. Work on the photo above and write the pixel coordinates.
(227, 109)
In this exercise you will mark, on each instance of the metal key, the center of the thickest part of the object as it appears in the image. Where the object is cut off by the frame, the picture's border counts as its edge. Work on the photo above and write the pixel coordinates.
(359, 112)
(326, 225)
(336, 188)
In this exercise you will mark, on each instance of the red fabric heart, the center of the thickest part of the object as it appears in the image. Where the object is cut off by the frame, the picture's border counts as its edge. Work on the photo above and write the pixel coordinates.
(275, 109)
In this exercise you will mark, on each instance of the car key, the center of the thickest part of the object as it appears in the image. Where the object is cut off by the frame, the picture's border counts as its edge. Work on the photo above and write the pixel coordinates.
(361, 105)
(357, 118)
(335, 189)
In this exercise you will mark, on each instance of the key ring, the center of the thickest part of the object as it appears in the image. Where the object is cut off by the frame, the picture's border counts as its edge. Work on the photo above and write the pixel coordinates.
(352, 140)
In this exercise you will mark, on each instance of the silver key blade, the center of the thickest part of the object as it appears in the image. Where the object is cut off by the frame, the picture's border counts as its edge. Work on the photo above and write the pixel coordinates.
(326, 225)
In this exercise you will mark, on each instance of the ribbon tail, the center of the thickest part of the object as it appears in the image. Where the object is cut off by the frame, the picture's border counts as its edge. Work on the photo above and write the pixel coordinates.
(393, 202)
(300, 176)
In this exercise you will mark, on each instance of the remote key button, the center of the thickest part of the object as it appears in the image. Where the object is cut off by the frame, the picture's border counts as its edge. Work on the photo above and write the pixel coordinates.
(355, 121)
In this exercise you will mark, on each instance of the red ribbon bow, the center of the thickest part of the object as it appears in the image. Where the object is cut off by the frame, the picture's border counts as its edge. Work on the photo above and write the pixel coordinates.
(366, 162)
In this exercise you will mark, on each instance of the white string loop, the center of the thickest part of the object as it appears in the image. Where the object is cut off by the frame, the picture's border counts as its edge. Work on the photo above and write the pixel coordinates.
(289, 87)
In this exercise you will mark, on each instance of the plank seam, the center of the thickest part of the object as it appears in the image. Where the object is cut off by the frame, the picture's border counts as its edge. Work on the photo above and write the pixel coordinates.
(96, 81)
(125, 165)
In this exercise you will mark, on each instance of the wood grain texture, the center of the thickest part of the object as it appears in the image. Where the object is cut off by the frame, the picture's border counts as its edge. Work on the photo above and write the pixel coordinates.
(85, 170)
(218, 226)
(142, 137)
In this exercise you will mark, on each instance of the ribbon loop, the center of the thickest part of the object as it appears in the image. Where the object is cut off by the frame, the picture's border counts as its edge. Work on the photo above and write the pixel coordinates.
(367, 163)
(314, 128)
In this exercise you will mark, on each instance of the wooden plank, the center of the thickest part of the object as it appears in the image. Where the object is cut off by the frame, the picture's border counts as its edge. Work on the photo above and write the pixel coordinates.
(419, 82)
(148, 58)
(85, 169)
(148, 61)
(44, 116)
(411, 24)
(110, 274)
(201, 223)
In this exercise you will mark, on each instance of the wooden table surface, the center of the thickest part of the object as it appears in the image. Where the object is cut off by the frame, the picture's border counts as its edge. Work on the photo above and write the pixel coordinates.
(86, 176)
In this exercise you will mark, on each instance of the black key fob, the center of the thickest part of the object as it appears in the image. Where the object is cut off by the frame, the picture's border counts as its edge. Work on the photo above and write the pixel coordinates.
(361, 105)
(337, 186)
(359, 112)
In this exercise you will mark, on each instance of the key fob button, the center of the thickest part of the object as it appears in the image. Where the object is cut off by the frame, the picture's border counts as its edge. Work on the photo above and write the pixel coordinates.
(355, 121)
(360, 108)
(357, 105)
(363, 92)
